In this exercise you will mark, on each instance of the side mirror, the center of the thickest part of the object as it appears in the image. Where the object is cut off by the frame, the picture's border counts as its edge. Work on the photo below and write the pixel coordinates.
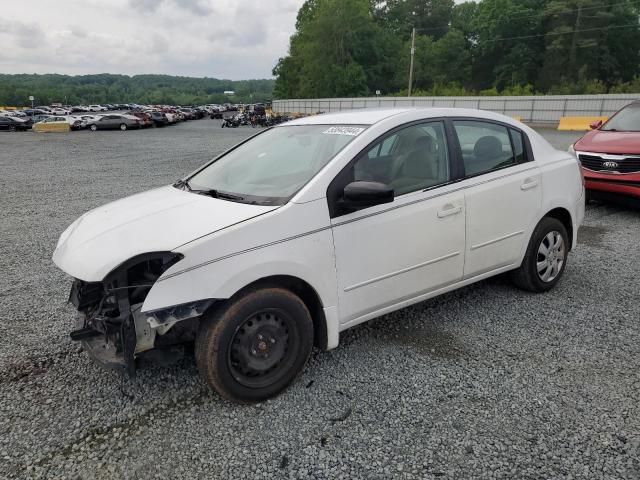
(358, 195)
(596, 124)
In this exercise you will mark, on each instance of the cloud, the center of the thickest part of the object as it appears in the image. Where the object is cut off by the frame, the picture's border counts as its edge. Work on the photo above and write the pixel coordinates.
(24, 35)
(234, 39)
(146, 5)
(195, 7)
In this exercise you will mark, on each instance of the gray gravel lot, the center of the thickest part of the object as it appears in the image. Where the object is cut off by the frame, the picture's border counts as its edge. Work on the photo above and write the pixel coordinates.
(485, 382)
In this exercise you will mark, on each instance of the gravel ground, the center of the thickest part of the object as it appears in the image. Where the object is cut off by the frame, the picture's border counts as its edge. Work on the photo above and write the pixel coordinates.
(485, 382)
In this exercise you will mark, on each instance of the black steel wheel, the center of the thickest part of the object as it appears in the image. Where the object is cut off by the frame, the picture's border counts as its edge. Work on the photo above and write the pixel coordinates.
(255, 345)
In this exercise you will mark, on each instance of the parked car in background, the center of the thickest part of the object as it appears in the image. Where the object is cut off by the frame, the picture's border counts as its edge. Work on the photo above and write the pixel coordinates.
(74, 122)
(610, 157)
(145, 118)
(33, 111)
(40, 117)
(312, 227)
(14, 124)
(96, 108)
(159, 119)
(60, 111)
(86, 118)
(114, 122)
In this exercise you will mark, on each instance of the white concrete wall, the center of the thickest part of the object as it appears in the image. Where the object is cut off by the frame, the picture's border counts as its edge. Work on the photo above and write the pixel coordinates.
(532, 109)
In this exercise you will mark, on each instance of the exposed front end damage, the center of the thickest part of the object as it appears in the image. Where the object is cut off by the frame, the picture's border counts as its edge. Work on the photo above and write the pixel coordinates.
(111, 325)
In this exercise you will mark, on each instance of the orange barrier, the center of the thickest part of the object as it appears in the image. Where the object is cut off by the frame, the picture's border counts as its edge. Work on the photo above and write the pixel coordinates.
(58, 127)
(578, 123)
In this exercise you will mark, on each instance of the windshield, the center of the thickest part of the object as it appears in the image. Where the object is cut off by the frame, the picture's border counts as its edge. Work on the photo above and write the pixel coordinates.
(271, 167)
(626, 120)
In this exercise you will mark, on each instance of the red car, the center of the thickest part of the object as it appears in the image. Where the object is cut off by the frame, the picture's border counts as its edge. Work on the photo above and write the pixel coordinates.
(610, 157)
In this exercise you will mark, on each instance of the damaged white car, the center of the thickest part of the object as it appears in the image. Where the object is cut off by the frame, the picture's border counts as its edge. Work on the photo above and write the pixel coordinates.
(315, 226)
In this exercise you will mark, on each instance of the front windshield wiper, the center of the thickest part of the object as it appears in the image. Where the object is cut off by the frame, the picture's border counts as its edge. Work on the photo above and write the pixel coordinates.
(209, 191)
(183, 183)
(218, 194)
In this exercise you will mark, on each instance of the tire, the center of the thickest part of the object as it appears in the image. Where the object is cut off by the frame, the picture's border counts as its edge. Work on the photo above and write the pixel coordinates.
(231, 340)
(542, 268)
(93, 127)
(12, 128)
(123, 127)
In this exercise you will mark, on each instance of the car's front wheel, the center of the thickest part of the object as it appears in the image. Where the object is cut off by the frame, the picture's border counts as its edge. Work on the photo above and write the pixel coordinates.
(255, 345)
(123, 126)
(546, 257)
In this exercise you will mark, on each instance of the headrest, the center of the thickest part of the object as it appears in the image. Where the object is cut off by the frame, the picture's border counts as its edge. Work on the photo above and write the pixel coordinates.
(487, 147)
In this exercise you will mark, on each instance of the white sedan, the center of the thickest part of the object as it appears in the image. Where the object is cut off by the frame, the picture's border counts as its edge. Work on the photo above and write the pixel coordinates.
(312, 227)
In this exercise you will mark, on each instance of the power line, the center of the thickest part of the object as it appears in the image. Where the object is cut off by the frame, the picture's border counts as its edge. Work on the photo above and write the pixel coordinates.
(611, 27)
(517, 17)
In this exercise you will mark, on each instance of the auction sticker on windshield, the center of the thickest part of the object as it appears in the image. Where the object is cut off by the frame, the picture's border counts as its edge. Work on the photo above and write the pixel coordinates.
(352, 131)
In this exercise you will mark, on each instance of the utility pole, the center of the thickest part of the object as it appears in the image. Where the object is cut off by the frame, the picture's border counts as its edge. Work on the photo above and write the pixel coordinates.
(574, 40)
(413, 51)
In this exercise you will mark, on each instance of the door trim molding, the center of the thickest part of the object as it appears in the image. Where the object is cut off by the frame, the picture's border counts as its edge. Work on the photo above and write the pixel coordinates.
(496, 240)
(399, 272)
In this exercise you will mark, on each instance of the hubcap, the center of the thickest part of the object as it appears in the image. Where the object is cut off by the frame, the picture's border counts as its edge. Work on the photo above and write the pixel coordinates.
(260, 348)
(551, 253)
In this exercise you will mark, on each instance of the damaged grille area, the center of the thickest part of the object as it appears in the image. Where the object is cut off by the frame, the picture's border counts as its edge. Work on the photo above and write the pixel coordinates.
(107, 326)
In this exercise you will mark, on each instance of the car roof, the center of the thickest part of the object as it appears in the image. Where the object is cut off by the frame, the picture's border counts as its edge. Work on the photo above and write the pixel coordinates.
(373, 116)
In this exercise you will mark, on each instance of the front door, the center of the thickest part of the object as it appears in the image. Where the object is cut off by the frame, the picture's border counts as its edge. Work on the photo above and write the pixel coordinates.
(394, 252)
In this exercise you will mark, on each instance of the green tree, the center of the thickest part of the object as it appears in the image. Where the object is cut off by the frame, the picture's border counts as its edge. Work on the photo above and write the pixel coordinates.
(590, 39)
(337, 50)
(429, 17)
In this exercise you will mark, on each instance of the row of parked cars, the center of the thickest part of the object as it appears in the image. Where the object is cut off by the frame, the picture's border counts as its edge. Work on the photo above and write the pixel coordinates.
(139, 117)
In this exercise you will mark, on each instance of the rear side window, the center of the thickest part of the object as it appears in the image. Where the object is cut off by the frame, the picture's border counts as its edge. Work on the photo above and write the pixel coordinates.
(487, 146)
(518, 145)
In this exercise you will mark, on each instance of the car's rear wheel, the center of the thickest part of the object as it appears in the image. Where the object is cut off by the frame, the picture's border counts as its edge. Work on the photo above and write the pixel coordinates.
(12, 128)
(546, 257)
(254, 346)
(93, 128)
(123, 126)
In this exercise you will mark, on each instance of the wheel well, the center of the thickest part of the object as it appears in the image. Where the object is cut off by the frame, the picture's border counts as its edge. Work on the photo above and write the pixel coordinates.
(563, 216)
(308, 295)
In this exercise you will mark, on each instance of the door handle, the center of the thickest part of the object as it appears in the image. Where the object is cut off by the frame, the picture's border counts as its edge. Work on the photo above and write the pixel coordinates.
(449, 209)
(529, 183)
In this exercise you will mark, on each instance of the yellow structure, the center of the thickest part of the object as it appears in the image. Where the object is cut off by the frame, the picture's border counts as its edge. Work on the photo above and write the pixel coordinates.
(60, 127)
(578, 123)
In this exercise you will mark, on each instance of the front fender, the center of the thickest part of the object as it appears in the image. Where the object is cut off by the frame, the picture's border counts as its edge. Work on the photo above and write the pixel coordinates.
(309, 258)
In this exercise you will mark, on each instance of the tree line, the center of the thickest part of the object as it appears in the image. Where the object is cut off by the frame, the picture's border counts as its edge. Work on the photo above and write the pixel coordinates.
(143, 89)
(344, 48)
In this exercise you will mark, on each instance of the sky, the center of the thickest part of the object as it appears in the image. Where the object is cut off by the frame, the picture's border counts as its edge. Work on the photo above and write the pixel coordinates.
(231, 39)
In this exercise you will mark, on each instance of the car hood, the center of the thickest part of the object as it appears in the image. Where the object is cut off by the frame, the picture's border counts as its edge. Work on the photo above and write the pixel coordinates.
(153, 221)
(620, 143)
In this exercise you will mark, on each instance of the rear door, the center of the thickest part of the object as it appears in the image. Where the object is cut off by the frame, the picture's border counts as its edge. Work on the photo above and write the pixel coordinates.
(503, 194)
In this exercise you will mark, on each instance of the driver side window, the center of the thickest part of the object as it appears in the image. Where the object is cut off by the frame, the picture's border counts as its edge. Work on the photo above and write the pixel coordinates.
(408, 160)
